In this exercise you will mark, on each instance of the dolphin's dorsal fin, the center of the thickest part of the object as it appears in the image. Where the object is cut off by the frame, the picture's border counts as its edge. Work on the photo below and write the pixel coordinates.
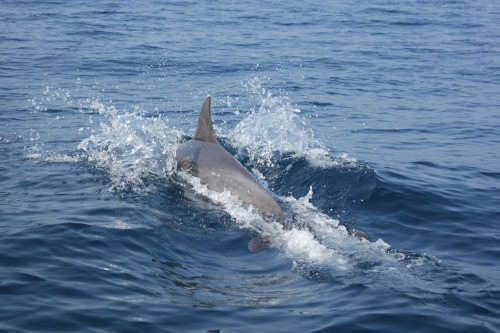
(205, 130)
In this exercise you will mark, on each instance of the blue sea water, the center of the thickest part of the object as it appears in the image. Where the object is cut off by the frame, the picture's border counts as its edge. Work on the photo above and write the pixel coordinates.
(380, 115)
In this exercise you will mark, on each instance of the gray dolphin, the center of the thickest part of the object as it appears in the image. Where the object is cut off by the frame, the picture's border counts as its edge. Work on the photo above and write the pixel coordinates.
(204, 158)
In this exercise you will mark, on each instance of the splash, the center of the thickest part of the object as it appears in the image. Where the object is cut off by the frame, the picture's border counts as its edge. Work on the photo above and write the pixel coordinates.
(131, 146)
(319, 248)
(277, 128)
(315, 240)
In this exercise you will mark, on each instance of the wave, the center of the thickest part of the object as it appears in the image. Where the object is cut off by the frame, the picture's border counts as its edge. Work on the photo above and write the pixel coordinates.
(276, 129)
(275, 142)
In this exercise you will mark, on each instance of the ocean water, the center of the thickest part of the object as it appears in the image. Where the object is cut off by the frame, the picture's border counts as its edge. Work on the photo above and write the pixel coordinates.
(379, 115)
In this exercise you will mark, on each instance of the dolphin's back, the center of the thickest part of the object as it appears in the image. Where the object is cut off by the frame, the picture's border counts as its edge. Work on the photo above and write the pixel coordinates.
(206, 159)
(220, 172)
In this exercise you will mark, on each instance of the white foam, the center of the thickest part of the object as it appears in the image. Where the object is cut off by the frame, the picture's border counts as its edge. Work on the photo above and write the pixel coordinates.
(276, 128)
(130, 146)
(317, 239)
(119, 224)
(56, 157)
(323, 241)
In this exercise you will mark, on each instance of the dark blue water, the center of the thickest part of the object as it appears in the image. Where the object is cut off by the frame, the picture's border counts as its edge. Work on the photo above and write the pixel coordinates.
(379, 115)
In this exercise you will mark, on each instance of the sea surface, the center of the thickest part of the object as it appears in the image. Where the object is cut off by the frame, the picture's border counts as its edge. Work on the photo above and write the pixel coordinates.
(378, 115)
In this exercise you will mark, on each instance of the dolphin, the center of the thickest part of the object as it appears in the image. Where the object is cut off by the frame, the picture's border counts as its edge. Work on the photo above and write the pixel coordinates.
(203, 157)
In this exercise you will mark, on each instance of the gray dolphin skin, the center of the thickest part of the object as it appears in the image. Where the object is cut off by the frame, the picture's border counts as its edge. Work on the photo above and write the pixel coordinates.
(204, 158)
